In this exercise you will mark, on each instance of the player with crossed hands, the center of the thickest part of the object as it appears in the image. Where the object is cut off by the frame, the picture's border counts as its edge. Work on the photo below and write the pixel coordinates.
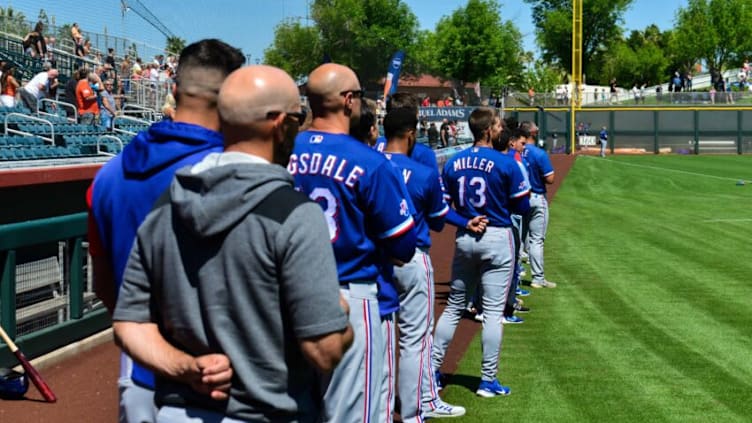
(482, 181)
(366, 206)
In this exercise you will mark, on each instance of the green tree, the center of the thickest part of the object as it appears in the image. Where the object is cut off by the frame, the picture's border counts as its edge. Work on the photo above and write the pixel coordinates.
(13, 22)
(296, 48)
(709, 31)
(364, 34)
(542, 77)
(641, 58)
(175, 45)
(473, 44)
(600, 29)
(44, 19)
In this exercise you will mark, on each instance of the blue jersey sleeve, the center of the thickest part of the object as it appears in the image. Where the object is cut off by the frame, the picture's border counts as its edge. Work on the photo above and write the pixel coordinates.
(545, 164)
(518, 183)
(436, 207)
(425, 156)
(387, 203)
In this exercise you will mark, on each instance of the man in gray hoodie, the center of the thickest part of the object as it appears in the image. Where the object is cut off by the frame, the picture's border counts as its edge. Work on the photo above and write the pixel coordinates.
(233, 260)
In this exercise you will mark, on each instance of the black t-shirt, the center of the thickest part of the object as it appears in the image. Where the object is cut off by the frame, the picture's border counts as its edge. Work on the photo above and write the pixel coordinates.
(433, 134)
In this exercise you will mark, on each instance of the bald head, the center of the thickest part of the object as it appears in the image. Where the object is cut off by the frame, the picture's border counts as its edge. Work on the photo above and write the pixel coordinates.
(330, 79)
(250, 93)
(328, 87)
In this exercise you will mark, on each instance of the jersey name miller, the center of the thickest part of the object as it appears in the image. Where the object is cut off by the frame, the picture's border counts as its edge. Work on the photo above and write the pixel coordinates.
(476, 163)
(328, 165)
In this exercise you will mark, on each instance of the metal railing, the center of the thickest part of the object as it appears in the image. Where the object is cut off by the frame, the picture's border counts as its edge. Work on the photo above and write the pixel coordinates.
(82, 315)
(61, 104)
(8, 130)
(150, 115)
(108, 137)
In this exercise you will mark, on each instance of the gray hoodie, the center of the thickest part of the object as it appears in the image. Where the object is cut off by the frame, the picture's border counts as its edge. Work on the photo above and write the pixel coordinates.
(236, 261)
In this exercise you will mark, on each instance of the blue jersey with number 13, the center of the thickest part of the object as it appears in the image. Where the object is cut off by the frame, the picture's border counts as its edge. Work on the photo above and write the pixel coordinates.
(483, 181)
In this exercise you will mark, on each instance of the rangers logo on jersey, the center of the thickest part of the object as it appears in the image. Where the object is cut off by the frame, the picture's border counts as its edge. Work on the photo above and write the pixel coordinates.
(404, 208)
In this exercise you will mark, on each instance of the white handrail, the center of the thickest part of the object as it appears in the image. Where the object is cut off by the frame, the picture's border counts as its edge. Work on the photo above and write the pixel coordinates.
(62, 104)
(130, 119)
(108, 137)
(51, 139)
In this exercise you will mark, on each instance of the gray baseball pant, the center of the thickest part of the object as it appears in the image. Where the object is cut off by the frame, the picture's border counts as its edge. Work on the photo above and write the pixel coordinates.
(537, 225)
(416, 388)
(386, 414)
(487, 259)
(136, 403)
(353, 391)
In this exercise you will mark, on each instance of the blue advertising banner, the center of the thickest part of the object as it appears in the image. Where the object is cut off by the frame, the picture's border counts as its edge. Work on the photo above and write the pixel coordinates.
(393, 73)
(459, 114)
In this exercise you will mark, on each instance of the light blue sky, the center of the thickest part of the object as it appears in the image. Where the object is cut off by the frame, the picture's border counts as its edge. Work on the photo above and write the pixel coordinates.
(249, 24)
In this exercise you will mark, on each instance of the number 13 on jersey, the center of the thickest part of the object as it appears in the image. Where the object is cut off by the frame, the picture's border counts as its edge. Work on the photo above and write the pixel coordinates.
(475, 190)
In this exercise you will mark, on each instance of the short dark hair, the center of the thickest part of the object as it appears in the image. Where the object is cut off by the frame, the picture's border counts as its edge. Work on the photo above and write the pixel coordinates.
(398, 121)
(362, 130)
(511, 122)
(481, 119)
(199, 60)
(403, 99)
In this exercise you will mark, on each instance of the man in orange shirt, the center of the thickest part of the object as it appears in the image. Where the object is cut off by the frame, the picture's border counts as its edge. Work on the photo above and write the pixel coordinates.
(86, 99)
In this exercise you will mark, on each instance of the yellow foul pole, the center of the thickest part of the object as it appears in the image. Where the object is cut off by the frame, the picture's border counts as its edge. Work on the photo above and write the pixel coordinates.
(575, 98)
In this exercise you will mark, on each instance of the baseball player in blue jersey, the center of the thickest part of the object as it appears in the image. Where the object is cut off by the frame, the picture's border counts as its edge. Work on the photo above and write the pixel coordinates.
(482, 181)
(512, 143)
(368, 216)
(541, 173)
(418, 394)
(603, 139)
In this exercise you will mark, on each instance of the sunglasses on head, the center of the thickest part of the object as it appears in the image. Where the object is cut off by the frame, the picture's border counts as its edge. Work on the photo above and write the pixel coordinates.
(300, 117)
(355, 93)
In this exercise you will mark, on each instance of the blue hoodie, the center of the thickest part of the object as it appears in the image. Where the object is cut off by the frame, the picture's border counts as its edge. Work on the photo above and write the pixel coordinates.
(126, 188)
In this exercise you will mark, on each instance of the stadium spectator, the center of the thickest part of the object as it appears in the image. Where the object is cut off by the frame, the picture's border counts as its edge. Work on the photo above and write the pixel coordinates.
(286, 325)
(531, 96)
(86, 99)
(110, 59)
(168, 108)
(87, 50)
(37, 88)
(126, 188)
(426, 102)
(612, 89)
(124, 76)
(444, 133)
(78, 40)
(70, 87)
(34, 42)
(109, 107)
(136, 69)
(433, 135)
(9, 86)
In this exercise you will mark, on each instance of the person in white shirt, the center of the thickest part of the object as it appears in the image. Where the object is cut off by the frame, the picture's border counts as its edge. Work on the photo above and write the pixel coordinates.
(37, 88)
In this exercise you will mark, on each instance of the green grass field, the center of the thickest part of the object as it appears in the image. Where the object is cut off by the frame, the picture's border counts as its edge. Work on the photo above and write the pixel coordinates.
(652, 318)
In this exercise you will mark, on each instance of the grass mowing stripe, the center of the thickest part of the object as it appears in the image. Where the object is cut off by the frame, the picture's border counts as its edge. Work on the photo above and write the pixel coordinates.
(651, 320)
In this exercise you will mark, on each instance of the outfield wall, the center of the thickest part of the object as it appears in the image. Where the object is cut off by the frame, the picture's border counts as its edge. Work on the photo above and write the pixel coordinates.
(647, 130)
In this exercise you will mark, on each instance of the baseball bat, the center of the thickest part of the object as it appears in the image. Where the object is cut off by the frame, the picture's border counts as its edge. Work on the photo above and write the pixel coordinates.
(31, 372)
